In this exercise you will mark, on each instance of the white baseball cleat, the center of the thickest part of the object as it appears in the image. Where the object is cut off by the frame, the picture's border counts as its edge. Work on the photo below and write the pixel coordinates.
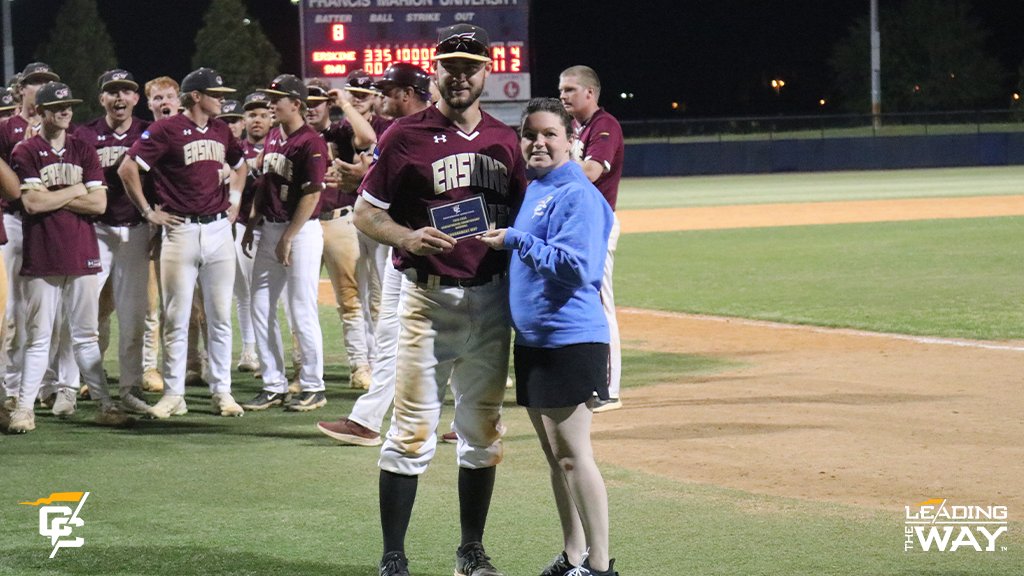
(65, 403)
(22, 420)
(225, 405)
(248, 362)
(133, 402)
(169, 405)
(360, 378)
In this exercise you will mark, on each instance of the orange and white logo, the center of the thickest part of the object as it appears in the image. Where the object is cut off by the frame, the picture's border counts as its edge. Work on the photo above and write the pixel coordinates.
(58, 522)
(937, 524)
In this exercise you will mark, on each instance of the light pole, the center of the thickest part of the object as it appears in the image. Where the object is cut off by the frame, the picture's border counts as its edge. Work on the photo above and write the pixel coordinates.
(8, 41)
(876, 69)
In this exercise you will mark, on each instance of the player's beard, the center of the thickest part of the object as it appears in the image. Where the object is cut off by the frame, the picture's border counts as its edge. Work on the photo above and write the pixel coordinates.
(463, 101)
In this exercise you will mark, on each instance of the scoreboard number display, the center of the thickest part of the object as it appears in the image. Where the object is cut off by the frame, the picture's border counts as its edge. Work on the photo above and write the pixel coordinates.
(339, 36)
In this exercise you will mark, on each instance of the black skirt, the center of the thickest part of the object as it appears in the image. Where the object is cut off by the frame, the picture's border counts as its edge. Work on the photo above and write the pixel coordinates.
(560, 377)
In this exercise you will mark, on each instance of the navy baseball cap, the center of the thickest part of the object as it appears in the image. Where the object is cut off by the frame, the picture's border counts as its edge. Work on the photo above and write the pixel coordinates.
(204, 80)
(287, 85)
(406, 75)
(463, 41)
(38, 72)
(55, 95)
(360, 81)
(317, 95)
(231, 109)
(255, 100)
(117, 79)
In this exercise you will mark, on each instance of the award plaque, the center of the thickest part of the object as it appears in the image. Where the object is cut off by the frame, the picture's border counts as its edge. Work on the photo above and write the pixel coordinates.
(461, 219)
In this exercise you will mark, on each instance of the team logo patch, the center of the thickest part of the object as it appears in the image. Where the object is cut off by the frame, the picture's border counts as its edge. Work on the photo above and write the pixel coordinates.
(93, 263)
(219, 81)
(61, 93)
(118, 75)
(440, 139)
(541, 206)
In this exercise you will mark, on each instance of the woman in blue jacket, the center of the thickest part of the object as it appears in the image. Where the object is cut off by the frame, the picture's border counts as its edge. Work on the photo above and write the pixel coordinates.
(558, 244)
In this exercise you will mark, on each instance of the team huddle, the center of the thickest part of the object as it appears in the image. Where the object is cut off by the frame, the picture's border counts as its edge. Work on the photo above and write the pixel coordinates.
(222, 203)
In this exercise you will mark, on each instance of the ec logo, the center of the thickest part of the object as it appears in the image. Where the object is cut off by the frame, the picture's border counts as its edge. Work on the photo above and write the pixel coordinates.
(58, 522)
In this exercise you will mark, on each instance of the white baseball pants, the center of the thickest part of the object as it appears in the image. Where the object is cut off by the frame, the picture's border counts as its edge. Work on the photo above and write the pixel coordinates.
(243, 285)
(124, 255)
(341, 255)
(608, 303)
(370, 408)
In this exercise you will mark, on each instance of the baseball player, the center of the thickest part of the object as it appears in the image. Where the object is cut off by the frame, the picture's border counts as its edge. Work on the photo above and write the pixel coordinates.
(406, 91)
(257, 124)
(341, 239)
(287, 207)
(62, 187)
(163, 101)
(454, 308)
(61, 380)
(599, 150)
(187, 153)
(122, 233)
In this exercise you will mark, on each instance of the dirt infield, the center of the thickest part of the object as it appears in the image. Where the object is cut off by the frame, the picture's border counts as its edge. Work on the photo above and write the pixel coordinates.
(830, 415)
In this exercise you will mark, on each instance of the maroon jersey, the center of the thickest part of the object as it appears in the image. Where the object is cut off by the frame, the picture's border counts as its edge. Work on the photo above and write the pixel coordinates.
(339, 136)
(600, 140)
(12, 132)
(186, 160)
(61, 242)
(292, 167)
(111, 147)
(252, 153)
(424, 160)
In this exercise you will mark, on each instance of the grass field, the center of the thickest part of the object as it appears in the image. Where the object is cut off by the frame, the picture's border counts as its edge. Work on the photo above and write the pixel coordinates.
(267, 495)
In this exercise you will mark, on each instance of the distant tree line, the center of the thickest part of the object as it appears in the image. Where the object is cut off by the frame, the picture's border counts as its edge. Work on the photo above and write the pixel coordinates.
(80, 49)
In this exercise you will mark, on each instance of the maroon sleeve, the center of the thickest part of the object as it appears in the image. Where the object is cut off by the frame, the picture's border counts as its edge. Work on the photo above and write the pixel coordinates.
(151, 146)
(316, 160)
(22, 161)
(378, 186)
(234, 154)
(603, 142)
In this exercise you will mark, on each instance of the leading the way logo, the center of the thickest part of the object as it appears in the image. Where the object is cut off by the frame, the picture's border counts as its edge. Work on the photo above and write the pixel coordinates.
(937, 524)
(58, 522)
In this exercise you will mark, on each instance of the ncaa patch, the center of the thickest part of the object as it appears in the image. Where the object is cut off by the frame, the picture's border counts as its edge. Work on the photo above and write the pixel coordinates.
(145, 135)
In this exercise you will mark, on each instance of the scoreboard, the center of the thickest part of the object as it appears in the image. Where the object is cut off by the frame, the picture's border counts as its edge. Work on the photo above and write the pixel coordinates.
(339, 36)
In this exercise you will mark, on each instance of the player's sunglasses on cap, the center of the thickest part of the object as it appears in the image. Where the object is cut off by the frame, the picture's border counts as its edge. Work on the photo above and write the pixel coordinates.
(359, 82)
(231, 110)
(205, 80)
(255, 100)
(7, 101)
(38, 73)
(317, 96)
(55, 95)
(463, 41)
(287, 85)
(116, 80)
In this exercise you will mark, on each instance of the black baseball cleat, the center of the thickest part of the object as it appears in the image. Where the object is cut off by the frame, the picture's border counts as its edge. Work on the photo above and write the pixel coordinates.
(609, 572)
(264, 400)
(394, 564)
(560, 566)
(471, 560)
(306, 401)
(606, 405)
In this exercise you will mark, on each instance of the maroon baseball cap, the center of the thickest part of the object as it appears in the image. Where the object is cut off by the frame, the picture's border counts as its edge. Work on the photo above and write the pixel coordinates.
(55, 95)
(117, 79)
(360, 81)
(204, 80)
(463, 41)
(38, 72)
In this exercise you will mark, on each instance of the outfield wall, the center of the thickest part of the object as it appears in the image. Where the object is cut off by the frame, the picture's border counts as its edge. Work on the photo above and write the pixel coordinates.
(818, 155)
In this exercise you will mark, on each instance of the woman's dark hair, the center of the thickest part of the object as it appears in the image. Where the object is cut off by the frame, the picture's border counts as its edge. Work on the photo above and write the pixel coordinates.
(552, 105)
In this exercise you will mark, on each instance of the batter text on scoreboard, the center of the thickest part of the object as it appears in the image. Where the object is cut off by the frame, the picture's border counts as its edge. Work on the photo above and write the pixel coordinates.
(939, 525)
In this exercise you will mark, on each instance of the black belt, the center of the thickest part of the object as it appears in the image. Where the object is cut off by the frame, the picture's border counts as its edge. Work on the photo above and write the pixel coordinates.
(336, 213)
(433, 280)
(276, 220)
(201, 218)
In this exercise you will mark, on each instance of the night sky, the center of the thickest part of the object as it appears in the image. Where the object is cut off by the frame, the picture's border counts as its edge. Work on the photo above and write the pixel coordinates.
(714, 57)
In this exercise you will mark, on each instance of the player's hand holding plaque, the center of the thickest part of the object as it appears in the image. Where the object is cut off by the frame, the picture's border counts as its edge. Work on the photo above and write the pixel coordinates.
(461, 219)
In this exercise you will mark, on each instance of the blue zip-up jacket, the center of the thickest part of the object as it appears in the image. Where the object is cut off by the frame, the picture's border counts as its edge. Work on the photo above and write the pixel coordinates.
(559, 243)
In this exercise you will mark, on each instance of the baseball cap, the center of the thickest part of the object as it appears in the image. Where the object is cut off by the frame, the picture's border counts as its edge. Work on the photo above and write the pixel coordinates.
(38, 72)
(117, 79)
(317, 95)
(287, 85)
(55, 94)
(463, 41)
(231, 109)
(359, 81)
(404, 74)
(254, 100)
(204, 80)
(7, 101)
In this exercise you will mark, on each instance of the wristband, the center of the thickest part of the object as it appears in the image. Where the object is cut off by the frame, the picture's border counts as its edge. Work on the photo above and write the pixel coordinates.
(146, 212)
(234, 197)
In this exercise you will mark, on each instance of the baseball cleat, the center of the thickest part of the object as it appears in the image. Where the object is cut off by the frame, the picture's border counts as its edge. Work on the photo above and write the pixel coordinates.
(225, 405)
(471, 560)
(248, 362)
(450, 438)
(348, 432)
(560, 566)
(294, 387)
(606, 405)
(22, 421)
(265, 399)
(133, 402)
(152, 381)
(65, 403)
(110, 415)
(394, 564)
(307, 401)
(360, 378)
(169, 405)
(10, 403)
